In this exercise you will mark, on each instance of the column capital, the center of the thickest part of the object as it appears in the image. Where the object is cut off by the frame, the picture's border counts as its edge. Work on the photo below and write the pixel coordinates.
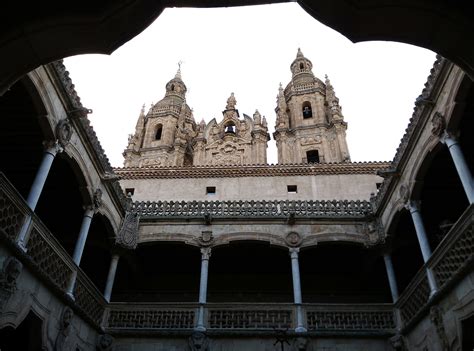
(52, 147)
(448, 139)
(294, 252)
(413, 205)
(205, 253)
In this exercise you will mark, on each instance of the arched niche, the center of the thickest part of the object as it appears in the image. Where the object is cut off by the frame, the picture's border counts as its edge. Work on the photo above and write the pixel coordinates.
(22, 116)
(27, 336)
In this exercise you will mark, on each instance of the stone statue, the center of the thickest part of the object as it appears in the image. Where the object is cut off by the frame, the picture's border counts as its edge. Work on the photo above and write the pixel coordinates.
(105, 343)
(198, 341)
(64, 329)
(8, 276)
(231, 102)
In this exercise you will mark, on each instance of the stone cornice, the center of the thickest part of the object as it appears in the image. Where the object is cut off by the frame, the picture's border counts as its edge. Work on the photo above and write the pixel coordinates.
(251, 170)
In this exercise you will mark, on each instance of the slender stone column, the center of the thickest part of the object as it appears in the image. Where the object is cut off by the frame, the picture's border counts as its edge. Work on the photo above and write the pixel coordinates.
(111, 277)
(81, 240)
(79, 248)
(391, 277)
(414, 209)
(295, 273)
(461, 166)
(50, 153)
(205, 255)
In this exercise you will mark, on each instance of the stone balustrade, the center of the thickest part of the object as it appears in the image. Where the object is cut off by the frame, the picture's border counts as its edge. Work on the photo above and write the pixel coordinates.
(453, 257)
(253, 209)
(45, 256)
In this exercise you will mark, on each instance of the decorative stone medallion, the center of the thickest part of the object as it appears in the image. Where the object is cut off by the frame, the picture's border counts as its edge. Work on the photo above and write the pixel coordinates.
(293, 239)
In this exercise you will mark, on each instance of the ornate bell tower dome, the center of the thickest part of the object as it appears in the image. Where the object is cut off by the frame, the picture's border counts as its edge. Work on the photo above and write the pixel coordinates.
(310, 127)
(163, 137)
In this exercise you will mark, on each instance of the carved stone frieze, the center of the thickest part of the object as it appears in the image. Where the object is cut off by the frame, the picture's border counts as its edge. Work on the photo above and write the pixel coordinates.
(8, 276)
(127, 236)
(198, 341)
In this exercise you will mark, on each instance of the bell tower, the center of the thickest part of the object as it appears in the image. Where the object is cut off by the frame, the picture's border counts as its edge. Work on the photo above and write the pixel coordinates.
(163, 136)
(310, 127)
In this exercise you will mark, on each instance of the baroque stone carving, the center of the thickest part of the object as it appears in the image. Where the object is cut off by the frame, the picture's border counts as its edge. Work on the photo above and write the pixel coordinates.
(198, 341)
(404, 193)
(293, 239)
(127, 236)
(8, 276)
(105, 343)
(64, 329)
(63, 132)
(438, 124)
(231, 102)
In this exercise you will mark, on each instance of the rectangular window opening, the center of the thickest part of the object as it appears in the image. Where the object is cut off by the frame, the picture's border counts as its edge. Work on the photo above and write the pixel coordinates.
(130, 191)
(292, 189)
(210, 190)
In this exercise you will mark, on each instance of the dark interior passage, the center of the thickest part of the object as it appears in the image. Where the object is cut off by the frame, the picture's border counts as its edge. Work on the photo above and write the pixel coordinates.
(160, 272)
(338, 273)
(250, 272)
(27, 337)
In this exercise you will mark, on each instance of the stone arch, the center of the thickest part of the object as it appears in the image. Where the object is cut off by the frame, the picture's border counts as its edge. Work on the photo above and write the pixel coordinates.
(27, 335)
(22, 134)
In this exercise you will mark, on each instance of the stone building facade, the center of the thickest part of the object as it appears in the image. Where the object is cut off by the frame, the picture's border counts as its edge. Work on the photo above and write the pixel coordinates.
(83, 267)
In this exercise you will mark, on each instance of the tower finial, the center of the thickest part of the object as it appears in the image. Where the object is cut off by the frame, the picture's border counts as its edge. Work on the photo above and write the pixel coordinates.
(178, 73)
(299, 54)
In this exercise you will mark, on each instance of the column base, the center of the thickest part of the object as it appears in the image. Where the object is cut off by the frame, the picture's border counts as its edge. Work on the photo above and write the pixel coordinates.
(301, 330)
(71, 296)
(200, 328)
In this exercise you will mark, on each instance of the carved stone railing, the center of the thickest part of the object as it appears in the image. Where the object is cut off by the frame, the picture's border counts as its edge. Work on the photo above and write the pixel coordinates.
(453, 257)
(150, 316)
(45, 255)
(376, 318)
(250, 316)
(253, 209)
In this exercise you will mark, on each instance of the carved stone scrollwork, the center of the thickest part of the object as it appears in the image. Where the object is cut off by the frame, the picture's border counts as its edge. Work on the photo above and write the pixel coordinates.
(398, 343)
(301, 343)
(64, 329)
(375, 232)
(8, 277)
(63, 132)
(438, 125)
(105, 343)
(293, 239)
(198, 341)
(127, 237)
(436, 317)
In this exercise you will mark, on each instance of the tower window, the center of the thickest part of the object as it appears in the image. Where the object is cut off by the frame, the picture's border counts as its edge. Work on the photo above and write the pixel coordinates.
(292, 189)
(159, 130)
(301, 66)
(307, 110)
(172, 87)
(210, 190)
(230, 128)
(312, 156)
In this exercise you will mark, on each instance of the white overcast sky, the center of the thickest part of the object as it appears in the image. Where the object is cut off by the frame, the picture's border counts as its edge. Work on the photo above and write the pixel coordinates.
(248, 51)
